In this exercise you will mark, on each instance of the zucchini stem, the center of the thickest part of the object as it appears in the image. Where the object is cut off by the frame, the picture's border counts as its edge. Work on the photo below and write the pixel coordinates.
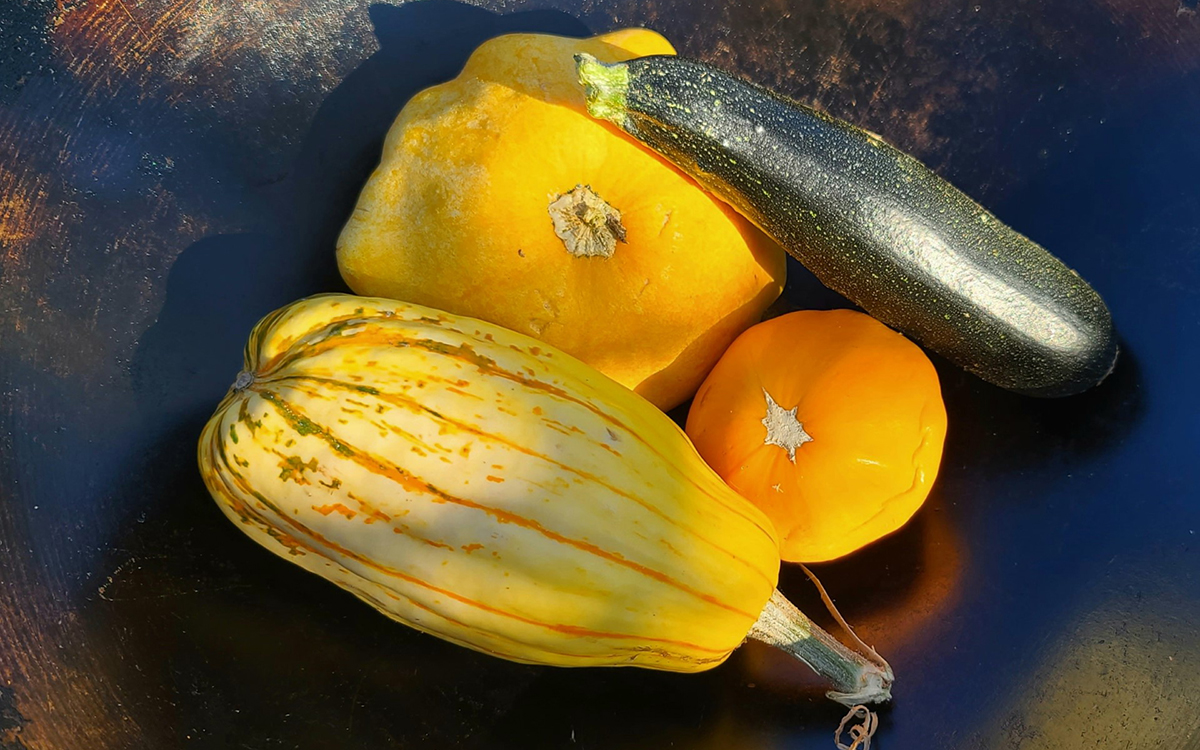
(855, 677)
(604, 86)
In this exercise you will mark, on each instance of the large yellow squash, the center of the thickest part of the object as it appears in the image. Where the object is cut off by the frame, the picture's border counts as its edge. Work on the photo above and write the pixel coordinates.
(499, 198)
(483, 487)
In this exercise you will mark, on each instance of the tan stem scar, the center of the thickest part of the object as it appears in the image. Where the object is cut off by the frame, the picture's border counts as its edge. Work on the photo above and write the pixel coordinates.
(784, 428)
(587, 225)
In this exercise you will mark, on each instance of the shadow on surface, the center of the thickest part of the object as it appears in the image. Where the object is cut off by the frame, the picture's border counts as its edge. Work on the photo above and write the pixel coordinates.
(238, 634)
(239, 628)
(220, 286)
(211, 624)
(992, 427)
(996, 431)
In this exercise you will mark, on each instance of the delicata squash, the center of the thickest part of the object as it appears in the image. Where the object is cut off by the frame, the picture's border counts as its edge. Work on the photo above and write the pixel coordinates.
(478, 485)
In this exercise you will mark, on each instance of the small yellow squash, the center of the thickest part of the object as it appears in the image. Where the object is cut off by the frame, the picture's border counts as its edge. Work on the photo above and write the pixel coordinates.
(499, 198)
(478, 485)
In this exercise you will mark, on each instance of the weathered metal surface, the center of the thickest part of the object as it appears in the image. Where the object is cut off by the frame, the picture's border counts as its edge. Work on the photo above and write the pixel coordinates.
(169, 171)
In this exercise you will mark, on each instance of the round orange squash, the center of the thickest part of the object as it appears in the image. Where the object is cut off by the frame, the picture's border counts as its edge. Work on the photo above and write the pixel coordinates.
(497, 197)
(830, 422)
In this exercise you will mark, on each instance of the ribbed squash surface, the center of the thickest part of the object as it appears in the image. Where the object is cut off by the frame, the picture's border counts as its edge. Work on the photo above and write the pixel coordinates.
(481, 486)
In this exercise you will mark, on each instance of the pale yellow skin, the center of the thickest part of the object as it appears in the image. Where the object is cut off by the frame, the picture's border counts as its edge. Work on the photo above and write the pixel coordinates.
(483, 487)
(456, 217)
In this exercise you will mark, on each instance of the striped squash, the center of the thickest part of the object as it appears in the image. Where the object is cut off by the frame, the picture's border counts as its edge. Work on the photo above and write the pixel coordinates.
(483, 487)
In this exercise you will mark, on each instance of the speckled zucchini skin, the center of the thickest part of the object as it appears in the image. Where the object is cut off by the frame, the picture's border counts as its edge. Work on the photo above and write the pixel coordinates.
(871, 222)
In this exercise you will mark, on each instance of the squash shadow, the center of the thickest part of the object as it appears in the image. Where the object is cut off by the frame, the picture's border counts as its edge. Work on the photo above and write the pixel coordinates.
(220, 286)
(249, 630)
(218, 627)
(998, 430)
(220, 633)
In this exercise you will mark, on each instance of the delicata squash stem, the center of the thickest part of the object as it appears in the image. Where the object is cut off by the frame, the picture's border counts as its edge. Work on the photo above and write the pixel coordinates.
(481, 486)
(856, 678)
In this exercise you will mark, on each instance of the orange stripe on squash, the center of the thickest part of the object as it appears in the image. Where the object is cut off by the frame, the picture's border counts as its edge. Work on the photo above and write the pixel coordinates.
(646, 558)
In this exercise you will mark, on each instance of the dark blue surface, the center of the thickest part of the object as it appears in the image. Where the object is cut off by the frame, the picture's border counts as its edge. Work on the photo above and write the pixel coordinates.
(155, 202)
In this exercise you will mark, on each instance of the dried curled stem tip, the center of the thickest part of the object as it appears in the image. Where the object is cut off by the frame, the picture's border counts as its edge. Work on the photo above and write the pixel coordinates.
(860, 734)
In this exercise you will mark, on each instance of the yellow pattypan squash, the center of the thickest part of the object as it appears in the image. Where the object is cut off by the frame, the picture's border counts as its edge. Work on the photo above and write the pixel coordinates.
(497, 197)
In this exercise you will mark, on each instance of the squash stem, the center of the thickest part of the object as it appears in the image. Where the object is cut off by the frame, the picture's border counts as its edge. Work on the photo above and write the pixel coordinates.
(245, 379)
(587, 225)
(605, 87)
(856, 678)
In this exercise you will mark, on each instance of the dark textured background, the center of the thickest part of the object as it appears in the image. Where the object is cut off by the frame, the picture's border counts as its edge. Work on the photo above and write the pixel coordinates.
(172, 169)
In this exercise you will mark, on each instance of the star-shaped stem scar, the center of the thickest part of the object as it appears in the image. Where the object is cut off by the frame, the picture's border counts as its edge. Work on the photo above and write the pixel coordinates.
(783, 428)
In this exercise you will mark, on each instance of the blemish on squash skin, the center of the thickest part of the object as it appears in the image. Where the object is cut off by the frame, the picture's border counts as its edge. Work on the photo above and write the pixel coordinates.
(294, 467)
(338, 508)
(551, 424)
(245, 418)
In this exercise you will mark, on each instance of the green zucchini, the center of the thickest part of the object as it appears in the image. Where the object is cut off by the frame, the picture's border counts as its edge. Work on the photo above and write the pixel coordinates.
(870, 222)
